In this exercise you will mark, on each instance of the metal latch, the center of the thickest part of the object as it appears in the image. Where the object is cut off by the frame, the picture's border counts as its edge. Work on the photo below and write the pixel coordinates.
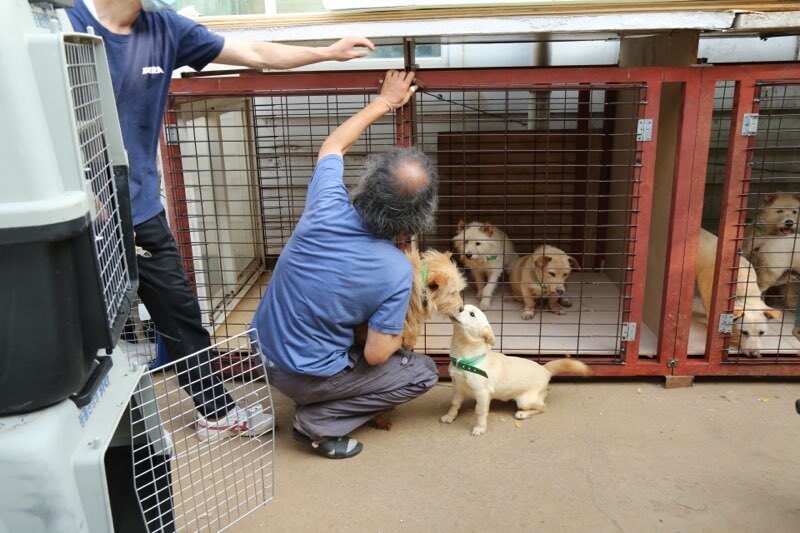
(725, 323)
(628, 331)
(644, 129)
(749, 124)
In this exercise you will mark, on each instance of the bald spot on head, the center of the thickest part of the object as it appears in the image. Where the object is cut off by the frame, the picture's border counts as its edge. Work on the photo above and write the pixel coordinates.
(410, 176)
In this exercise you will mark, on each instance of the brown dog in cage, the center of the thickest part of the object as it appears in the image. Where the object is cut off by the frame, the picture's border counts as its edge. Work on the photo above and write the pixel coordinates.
(436, 289)
(487, 251)
(750, 313)
(479, 373)
(542, 275)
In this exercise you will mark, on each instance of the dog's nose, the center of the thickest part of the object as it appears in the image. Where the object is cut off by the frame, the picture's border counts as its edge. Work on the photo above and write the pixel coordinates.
(789, 223)
(468, 256)
(559, 291)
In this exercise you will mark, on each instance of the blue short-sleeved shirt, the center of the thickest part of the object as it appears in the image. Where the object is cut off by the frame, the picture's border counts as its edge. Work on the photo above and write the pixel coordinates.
(332, 275)
(141, 65)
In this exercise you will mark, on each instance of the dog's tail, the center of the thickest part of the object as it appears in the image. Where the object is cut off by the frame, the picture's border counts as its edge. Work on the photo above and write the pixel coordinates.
(567, 366)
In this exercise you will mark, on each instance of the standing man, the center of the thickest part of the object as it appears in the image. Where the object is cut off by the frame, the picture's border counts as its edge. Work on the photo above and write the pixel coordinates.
(340, 269)
(145, 41)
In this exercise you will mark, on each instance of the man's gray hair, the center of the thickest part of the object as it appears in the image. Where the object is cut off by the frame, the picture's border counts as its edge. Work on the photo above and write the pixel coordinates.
(397, 193)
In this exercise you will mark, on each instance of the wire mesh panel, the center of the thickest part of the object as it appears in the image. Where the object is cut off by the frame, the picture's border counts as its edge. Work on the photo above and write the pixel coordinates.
(548, 164)
(773, 210)
(242, 166)
(204, 472)
(522, 168)
(84, 84)
(759, 312)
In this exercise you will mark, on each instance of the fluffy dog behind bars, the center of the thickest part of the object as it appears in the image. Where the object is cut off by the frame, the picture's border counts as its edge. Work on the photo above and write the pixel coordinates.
(750, 313)
(777, 215)
(479, 373)
(487, 251)
(436, 289)
(542, 275)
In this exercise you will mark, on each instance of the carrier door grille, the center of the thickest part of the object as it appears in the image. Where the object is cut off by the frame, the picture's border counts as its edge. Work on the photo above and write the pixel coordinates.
(106, 224)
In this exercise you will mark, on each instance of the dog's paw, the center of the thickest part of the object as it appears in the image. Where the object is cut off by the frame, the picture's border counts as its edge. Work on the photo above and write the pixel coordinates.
(559, 311)
(448, 418)
(527, 314)
(477, 431)
(485, 304)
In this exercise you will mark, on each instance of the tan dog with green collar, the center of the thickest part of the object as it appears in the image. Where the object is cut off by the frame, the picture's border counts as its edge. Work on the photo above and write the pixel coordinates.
(484, 375)
(542, 275)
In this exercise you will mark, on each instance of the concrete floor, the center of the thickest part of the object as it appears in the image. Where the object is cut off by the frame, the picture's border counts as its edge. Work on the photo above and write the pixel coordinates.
(607, 456)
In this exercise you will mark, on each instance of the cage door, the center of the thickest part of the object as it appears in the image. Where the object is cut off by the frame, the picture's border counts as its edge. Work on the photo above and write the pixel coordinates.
(221, 196)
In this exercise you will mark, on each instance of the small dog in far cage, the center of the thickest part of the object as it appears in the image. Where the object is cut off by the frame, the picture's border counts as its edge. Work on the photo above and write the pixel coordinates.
(543, 275)
(777, 215)
(479, 373)
(487, 251)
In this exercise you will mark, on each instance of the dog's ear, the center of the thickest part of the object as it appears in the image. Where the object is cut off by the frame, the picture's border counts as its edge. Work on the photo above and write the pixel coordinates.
(461, 225)
(797, 197)
(773, 314)
(769, 199)
(448, 254)
(542, 261)
(488, 229)
(738, 313)
(488, 335)
(434, 280)
(573, 262)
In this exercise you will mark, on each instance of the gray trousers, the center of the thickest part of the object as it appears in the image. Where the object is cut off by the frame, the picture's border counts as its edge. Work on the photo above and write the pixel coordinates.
(334, 406)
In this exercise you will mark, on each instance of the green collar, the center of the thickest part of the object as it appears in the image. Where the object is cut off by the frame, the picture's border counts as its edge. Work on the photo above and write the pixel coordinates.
(761, 229)
(491, 257)
(423, 272)
(469, 364)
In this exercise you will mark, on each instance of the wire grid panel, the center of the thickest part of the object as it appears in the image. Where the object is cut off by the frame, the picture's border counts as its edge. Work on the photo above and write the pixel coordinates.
(772, 213)
(107, 222)
(243, 165)
(554, 165)
(186, 481)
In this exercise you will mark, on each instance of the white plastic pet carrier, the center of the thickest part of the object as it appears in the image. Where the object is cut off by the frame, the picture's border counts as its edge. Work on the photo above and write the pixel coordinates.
(91, 440)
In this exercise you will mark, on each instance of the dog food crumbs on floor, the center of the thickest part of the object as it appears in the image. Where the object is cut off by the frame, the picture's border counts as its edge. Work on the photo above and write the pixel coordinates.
(639, 390)
(763, 399)
(517, 423)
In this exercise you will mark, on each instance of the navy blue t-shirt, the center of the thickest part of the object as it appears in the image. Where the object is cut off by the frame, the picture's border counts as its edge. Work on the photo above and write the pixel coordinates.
(141, 65)
(332, 275)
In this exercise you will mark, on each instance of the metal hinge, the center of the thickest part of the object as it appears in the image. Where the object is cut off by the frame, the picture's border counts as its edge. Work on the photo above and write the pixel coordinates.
(644, 129)
(725, 323)
(749, 124)
(628, 331)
